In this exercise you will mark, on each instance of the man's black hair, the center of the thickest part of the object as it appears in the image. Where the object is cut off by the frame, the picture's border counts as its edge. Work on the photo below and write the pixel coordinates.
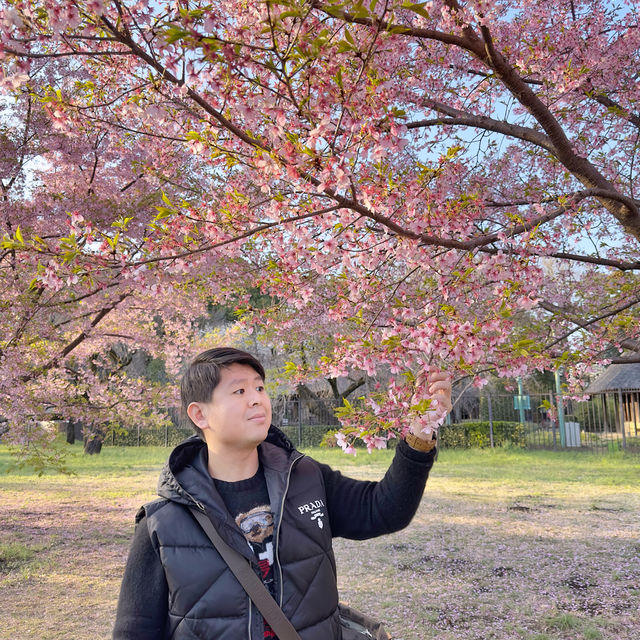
(203, 375)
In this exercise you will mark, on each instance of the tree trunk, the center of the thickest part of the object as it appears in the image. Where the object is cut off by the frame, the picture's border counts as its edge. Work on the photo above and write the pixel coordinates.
(317, 406)
(93, 443)
(71, 431)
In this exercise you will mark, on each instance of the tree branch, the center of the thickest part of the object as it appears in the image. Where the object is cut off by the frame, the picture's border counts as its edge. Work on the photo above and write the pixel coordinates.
(603, 99)
(458, 117)
(334, 11)
(128, 41)
(247, 234)
(64, 54)
(580, 324)
(79, 339)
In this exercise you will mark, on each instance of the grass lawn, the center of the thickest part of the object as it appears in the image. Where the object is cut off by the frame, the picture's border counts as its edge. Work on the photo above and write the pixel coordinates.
(506, 544)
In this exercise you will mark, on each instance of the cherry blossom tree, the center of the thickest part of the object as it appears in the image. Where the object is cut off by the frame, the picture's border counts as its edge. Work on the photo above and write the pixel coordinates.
(70, 320)
(427, 185)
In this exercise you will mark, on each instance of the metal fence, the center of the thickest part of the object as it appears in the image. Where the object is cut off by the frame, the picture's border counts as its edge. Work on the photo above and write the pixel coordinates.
(305, 424)
(603, 423)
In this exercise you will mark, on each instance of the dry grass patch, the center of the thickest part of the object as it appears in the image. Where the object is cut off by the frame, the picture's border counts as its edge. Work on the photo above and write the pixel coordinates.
(506, 557)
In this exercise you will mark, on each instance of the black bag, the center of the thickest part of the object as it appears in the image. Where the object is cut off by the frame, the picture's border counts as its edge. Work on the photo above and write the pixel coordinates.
(355, 625)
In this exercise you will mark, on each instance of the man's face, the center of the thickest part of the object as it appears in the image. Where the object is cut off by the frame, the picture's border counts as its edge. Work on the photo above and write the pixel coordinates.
(239, 412)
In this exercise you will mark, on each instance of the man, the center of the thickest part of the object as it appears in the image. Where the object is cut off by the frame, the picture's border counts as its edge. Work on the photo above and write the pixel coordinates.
(274, 505)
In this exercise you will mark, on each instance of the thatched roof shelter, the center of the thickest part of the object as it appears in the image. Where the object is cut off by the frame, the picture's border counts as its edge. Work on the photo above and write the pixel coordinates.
(619, 387)
(617, 376)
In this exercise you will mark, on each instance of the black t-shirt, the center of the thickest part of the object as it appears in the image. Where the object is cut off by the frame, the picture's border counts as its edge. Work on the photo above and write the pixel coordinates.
(248, 503)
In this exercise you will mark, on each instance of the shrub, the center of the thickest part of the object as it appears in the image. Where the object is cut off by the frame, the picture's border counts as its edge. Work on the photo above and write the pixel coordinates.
(477, 434)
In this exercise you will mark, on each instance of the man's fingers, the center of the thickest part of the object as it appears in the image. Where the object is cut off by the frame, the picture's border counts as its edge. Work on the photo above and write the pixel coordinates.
(442, 385)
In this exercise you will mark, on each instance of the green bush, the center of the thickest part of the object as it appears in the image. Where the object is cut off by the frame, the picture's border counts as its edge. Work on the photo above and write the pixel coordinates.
(466, 435)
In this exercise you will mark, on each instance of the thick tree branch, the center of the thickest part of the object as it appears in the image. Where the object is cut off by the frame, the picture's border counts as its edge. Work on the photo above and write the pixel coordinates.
(631, 345)
(623, 360)
(458, 117)
(483, 48)
(575, 257)
(575, 195)
(334, 11)
(580, 167)
(603, 262)
(356, 384)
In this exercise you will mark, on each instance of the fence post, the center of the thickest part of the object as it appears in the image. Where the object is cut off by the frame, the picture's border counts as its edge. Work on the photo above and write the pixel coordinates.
(490, 419)
(520, 402)
(621, 412)
(299, 422)
(560, 405)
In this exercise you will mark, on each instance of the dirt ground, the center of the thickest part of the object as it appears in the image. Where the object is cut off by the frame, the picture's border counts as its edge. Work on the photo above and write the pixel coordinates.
(483, 559)
(479, 563)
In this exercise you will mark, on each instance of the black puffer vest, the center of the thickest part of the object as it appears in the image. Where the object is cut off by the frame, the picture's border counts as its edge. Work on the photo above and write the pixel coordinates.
(205, 599)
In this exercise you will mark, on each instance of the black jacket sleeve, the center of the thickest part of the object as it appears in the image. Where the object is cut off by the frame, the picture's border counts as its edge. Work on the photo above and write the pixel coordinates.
(363, 509)
(143, 603)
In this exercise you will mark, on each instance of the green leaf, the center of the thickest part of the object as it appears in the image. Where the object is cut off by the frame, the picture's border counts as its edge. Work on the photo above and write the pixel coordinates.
(417, 8)
(398, 29)
(338, 78)
(344, 47)
(121, 223)
(163, 212)
(292, 13)
(174, 34)
(359, 11)
(422, 406)
(166, 200)
(113, 242)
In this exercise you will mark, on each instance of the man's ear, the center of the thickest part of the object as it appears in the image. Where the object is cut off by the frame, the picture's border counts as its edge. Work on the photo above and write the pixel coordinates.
(195, 412)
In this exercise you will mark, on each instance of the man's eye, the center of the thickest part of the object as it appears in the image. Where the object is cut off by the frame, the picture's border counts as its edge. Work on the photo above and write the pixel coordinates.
(239, 391)
(260, 389)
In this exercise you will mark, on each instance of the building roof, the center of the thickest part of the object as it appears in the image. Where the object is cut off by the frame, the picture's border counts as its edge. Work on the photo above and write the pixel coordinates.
(617, 376)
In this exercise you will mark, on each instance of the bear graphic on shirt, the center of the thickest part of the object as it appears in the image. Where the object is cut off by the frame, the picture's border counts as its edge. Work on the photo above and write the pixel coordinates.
(256, 524)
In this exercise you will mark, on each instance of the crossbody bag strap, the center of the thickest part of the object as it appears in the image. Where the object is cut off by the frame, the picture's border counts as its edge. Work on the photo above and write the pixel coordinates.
(242, 570)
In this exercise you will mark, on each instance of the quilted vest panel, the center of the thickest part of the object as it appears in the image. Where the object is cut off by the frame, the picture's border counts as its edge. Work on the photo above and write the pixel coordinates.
(205, 599)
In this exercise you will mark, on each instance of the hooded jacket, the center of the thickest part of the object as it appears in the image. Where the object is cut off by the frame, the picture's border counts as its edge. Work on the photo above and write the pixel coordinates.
(177, 586)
